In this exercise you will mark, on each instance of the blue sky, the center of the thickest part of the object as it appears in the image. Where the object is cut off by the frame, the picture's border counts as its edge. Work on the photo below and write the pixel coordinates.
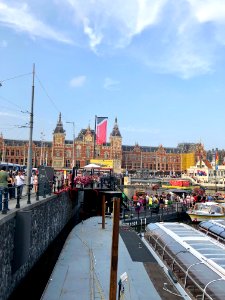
(156, 65)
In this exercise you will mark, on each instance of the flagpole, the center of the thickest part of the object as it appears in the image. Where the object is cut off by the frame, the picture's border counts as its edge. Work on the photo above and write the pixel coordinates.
(216, 158)
(95, 136)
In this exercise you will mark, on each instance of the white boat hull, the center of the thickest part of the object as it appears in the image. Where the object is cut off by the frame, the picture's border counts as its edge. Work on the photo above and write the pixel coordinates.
(196, 217)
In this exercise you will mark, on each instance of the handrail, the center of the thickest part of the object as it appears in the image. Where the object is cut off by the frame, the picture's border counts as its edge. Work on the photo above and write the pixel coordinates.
(204, 291)
(8, 194)
(186, 272)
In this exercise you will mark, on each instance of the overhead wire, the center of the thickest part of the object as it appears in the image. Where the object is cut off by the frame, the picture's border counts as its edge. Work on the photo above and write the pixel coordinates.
(46, 93)
(12, 78)
(20, 109)
(10, 108)
(50, 98)
(11, 102)
(41, 85)
(17, 76)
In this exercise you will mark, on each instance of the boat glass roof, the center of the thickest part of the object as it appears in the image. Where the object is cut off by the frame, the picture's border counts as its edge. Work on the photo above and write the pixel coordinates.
(199, 256)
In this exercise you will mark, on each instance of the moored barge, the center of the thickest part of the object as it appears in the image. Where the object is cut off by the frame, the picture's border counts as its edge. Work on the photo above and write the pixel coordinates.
(83, 268)
(194, 259)
(214, 228)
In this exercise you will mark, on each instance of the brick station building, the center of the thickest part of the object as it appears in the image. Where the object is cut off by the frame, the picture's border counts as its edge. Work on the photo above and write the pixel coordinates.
(58, 153)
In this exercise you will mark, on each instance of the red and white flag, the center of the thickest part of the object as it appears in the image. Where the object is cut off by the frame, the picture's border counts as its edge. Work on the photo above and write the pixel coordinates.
(101, 129)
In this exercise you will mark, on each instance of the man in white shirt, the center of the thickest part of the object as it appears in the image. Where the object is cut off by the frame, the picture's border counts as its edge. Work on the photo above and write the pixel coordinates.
(20, 180)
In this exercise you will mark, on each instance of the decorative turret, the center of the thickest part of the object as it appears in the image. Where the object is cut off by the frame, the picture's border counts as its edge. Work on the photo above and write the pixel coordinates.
(59, 126)
(115, 131)
(116, 142)
(58, 145)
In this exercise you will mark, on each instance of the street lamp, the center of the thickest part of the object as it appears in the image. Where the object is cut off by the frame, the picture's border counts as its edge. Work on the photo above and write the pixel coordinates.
(42, 141)
(73, 163)
(31, 123)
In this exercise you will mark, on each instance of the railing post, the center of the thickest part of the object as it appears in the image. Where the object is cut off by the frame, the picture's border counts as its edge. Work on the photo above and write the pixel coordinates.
(37, 192)
(28, 194)
(44, 190)
(50, 188)
(161, 214)
(17, 197)
(0, 200)
(5, 203)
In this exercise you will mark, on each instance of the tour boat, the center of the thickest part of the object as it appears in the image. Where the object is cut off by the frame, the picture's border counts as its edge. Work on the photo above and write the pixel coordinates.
(179, 184)
(191, 257)
(206, 211)
(214, 228)
(219, 198)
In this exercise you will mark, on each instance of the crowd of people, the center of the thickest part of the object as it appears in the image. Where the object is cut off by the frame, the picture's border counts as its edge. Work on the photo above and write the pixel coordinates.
(13, 182)
(147, 201)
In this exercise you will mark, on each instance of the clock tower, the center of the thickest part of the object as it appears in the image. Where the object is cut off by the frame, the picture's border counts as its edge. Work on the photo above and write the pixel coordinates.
(58, 148)
(116, 147)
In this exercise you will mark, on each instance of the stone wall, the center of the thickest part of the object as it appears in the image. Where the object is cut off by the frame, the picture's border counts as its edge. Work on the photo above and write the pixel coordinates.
(26, 233)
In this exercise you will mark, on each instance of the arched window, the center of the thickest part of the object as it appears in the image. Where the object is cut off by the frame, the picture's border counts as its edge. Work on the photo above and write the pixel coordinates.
(68, 153)
(88, 152)
(78, 151)
(97, 152)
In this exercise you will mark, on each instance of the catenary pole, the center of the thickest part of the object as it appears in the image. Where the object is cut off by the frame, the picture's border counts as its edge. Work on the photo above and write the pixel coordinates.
(29, 159)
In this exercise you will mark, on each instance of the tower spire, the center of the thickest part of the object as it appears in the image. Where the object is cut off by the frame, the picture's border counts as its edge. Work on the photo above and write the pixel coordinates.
(116, 131)
(59, 125)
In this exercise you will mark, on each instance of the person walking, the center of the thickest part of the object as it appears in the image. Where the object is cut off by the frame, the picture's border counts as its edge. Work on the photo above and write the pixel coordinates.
(20, 180)
(35, 182)
(11, 187)
(4, 177)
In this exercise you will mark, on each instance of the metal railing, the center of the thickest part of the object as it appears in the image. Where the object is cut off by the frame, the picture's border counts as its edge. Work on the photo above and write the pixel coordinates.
(8, 194)
(139, 214)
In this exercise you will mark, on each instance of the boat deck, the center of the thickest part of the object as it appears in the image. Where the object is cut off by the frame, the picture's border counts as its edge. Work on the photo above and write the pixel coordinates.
(83, 268)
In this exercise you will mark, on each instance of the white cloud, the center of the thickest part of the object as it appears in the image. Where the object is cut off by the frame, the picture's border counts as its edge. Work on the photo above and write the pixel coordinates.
(148, 13)
(20, 18)
(110, 84)
(208, 10)
(115, 23)
(179, 37)
(78, 81)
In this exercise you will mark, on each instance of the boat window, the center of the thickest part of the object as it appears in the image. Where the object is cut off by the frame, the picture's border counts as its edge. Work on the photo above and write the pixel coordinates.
(222, 235)
(216, 289)
(219, 261)
(216, 229)
(206, 224)
(202, 206)
(215, 209)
